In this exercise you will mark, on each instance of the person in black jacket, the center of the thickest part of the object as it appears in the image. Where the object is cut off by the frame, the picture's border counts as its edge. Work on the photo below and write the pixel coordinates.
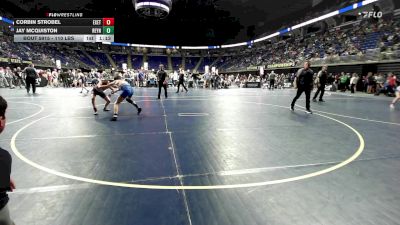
(196, 79)
(304, 83)
(30, 78)
(322, 78)
(272, 77)
(181, 80)
(6, 183)
(162, 81)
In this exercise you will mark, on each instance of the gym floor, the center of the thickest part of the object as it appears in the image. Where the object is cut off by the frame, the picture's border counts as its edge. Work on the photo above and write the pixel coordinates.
(224, 157)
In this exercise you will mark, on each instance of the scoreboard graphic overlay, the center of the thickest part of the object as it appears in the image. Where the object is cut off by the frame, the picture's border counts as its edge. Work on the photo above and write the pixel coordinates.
(64, 30)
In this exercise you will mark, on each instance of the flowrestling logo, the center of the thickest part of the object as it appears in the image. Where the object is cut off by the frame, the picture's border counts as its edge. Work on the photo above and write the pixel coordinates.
(371, 14)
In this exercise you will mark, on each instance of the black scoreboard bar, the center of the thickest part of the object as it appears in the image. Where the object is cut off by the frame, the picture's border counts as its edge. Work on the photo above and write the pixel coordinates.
(64, 30)
(60, 30)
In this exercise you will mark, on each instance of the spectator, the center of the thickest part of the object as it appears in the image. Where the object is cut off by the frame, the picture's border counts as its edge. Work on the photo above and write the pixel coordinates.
(3, 80)
(353, 82)
(371, 83)
(380, 81)
(344, 79)
(19, 80)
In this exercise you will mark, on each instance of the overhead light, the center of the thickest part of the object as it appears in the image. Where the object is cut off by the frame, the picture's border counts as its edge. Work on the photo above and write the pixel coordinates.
(158, 9)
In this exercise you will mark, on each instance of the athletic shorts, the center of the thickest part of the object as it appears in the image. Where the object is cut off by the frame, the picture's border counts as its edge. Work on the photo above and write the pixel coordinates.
(127, 91)
(99, 92)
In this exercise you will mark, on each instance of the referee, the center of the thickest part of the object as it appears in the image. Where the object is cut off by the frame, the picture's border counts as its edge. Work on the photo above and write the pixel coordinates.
(272, 76)
(162, 81)
(30, 78)
(304, 83)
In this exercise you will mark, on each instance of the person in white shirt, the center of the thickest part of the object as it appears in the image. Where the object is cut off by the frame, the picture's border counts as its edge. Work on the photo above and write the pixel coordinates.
(353, 82)
(9, 77)
(82, 80)
(49, 78)
(175, 78)
(206, 78)
(54, 78)
(237, 81)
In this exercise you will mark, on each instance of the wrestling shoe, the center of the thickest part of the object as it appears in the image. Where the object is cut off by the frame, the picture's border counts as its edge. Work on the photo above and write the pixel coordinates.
(308, 111)
(139, 111)
(392, 106)
(321, 100)
(115, 117)
(292, 108)
(106, 110)
(314, 100)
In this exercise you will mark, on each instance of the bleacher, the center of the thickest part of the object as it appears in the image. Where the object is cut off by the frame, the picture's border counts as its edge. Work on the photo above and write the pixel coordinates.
(348, 42)
(207, 61)
(191, 62)
(137, 61)
(176, 62)
(119, 59)
(370, 40)
(155, 61)
(220, 62)
(101, 58)
(82, 57)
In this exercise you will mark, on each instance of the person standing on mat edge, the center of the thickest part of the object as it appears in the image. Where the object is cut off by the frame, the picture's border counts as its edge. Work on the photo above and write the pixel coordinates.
(322, 78)
(162, 81)
(31, 75)
(181, 80)
(272, 76)
(6, 183)
(127, 92)
(304, 83)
